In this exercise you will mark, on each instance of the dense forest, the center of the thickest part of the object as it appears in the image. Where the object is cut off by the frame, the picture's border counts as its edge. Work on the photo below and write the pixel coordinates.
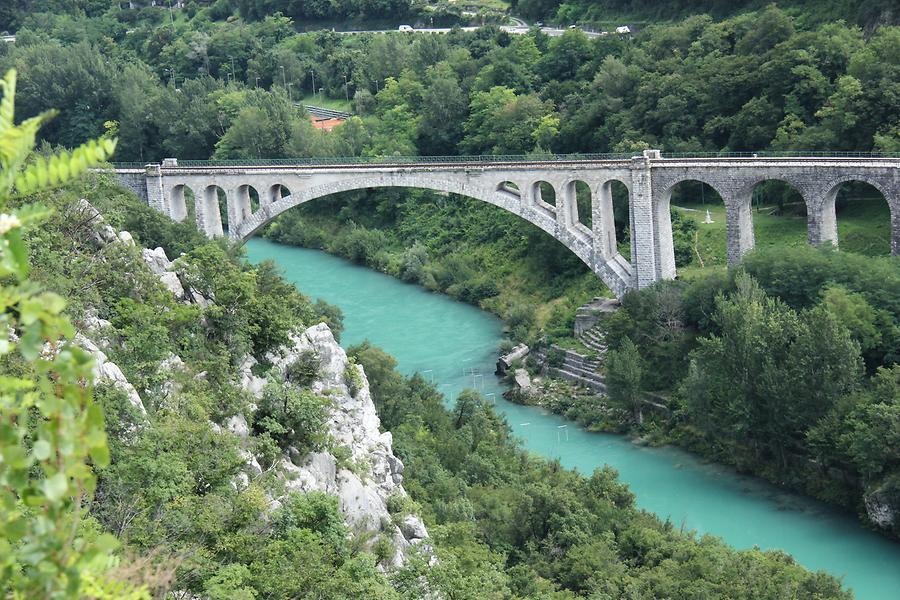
(866, 13)
(199, 87)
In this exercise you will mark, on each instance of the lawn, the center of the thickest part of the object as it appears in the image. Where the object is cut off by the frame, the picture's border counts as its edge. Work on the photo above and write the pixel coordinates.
(475, 5)
(864, 226)
(325, 102)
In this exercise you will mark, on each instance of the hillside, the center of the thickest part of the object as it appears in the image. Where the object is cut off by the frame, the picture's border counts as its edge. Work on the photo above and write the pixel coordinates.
(865, 13)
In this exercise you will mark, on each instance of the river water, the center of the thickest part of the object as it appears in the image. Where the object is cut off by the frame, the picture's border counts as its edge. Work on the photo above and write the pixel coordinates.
(454, 344)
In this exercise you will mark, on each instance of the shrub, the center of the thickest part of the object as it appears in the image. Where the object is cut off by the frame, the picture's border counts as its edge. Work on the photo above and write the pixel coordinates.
(555, 357)
(352, 377)
(292, 417)
(413, 262)
(304, 369)
(506, 346)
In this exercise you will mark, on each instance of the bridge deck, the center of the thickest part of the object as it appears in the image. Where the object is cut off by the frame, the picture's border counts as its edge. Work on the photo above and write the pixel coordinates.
(731, 158)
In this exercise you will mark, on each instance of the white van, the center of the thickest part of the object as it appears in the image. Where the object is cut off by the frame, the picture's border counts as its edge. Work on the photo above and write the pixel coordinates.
(404, 28)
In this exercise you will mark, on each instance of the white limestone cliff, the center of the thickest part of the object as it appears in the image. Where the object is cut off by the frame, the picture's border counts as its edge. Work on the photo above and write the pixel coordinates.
(353, 423)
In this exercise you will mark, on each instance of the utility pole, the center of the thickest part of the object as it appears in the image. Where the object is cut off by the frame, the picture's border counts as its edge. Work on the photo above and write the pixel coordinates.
(232, 68)
(290, 93)
(257, 82)
(283, 78)
(346, 89)
(313, 73)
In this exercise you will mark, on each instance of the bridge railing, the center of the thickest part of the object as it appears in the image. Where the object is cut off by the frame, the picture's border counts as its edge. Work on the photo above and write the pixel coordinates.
(385, 160)
(498, 159)
(782, 154)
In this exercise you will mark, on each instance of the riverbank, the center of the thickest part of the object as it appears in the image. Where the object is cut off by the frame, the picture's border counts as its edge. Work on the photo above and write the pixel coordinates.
(660, 428)
(453, 344)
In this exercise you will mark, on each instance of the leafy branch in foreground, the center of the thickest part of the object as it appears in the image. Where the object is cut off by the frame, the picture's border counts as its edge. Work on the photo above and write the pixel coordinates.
(51, 430)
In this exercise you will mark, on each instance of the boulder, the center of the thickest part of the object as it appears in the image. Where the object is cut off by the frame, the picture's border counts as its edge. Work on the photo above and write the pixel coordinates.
(160, 264)
(506, 361)
(249, 381)
(523, 380)
(237, 425)
(413, 528)
(880, 511)
(106, 370)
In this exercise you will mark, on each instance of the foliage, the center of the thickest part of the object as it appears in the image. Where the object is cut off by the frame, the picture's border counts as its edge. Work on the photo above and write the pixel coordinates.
(770, 373)
(304, 369)
(624, 372)
(292, 418)
(504, 522)
(52, 429)
(790, 363)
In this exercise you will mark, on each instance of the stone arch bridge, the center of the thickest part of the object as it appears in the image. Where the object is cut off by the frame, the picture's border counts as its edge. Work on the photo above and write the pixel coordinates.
(521, 186)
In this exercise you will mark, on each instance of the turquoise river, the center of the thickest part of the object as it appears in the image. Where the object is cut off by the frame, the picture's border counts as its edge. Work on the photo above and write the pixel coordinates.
(455, 345)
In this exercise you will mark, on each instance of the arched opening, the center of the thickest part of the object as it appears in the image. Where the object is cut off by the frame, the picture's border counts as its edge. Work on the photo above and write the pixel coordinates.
(181, 203)
(244, 203)
(614, 223)
(510, 188)
(863, 218)
(367, 232)
(583, 206)
(544, 193)
(430, 241)
(778, 214)
(212, 213)
(699, 223)
(277, 192)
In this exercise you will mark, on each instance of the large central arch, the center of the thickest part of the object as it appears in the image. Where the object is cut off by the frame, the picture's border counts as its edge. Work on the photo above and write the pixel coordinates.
(614, 271)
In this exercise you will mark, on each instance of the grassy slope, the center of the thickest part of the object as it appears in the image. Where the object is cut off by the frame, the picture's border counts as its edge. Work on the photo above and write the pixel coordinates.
(864, 226)
(323, 101)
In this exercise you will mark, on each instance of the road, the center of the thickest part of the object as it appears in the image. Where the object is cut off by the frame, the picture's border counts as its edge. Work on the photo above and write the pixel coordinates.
(513, 29)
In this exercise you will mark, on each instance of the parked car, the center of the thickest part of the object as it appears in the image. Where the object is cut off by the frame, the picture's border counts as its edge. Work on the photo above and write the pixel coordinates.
(624, 29)
(405, 28)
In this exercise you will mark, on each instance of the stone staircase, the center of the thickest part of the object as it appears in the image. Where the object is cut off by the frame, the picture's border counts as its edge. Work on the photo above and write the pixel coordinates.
(587, 315)
(575, 368)
(593, 339)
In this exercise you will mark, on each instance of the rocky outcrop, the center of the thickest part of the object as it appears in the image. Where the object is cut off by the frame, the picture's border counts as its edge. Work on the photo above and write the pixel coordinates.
(881, 512)
(372, 474)
(368, 476)
(160, 264)
(107, 371)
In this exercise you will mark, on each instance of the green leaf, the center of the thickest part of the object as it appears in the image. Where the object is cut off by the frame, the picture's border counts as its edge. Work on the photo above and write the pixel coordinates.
(56, 487)
(18, 253)
(8, 104)
(41, 450)
(52, 303)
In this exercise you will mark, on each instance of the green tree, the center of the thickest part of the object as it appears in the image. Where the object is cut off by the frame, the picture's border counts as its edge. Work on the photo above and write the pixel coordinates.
(624, 373)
